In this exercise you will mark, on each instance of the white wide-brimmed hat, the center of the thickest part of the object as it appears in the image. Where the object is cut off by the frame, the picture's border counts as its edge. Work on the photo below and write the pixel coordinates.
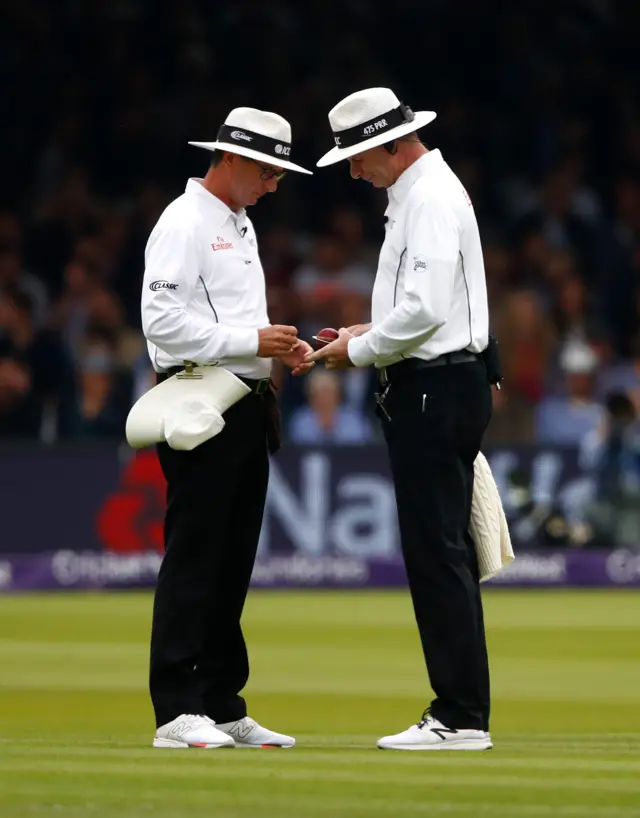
(256, 134)
(184, 411)
(370, 118)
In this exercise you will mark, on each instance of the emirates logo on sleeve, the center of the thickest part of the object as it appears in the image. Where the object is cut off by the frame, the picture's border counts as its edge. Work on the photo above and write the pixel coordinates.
(221, 244)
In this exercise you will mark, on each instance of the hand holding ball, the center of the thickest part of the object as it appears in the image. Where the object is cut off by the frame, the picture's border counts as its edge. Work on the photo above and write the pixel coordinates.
(325, 336)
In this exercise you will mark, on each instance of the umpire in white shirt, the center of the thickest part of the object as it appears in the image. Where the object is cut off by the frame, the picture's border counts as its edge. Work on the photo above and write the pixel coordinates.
(429, 341)
(203, 301)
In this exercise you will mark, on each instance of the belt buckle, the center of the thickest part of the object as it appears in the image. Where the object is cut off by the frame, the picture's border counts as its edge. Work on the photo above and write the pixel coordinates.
(262, 386)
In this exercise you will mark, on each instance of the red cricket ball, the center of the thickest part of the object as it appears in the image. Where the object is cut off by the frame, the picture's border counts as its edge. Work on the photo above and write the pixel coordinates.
(326, 336)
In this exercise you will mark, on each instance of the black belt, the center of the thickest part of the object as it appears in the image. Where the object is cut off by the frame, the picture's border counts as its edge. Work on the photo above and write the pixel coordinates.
(388, 374)
(257, 386)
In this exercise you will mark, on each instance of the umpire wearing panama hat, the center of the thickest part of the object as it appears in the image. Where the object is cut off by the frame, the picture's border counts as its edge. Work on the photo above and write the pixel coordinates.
(204, 304)
(428, 341)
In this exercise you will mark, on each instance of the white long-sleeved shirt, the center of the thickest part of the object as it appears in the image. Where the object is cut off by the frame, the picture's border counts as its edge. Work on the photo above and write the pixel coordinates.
(203, 294)
(430, 293)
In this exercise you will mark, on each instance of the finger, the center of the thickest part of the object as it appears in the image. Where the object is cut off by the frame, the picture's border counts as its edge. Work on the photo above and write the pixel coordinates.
(302, 369)
(286, 330)
(318, 355)
(286, 338)
(285, 341)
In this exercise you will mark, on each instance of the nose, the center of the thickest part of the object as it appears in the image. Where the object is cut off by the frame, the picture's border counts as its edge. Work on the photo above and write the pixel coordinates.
(271, 185)
(354, 170)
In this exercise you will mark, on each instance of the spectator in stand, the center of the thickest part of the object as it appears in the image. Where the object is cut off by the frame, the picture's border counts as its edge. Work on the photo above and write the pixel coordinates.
(622, 377)
(326, 420)
(13, 274)
(60, 219)
(576, 315)
(611, 454)
(527, 340)
(558, 218)
(617, 263)
(36, 382)
(567, 419)
(577, 322)
(532, 256)
(84, 301)
(105, 391)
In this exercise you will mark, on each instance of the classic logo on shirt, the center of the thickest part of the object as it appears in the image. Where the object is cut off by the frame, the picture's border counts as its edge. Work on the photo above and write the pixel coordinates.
(221, 244)
(162, 285)
(419, 262)
(240, 135)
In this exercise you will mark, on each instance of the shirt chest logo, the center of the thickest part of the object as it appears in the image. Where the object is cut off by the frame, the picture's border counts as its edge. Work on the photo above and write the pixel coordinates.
(221, 244)
(420, 263)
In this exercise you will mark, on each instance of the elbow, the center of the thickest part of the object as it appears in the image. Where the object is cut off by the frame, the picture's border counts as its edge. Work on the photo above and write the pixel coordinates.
(160, 326)
(437, 318)
(433, 316)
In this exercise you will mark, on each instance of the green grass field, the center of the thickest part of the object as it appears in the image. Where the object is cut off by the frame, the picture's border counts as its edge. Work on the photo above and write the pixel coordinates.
(337, 670)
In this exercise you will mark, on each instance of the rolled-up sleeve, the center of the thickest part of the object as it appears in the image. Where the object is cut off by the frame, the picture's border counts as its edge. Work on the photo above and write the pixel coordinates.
(172, 271)
(431, 258)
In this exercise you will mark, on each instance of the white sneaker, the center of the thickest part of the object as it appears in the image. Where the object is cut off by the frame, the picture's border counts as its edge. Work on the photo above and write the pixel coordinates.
(431, 734)
(191, 731)
(248, 733)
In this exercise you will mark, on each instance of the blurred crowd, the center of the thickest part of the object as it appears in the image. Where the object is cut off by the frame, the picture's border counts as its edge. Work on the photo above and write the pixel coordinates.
(538, 112)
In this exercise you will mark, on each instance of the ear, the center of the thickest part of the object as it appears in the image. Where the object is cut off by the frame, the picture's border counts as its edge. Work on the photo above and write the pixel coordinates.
(229, 159)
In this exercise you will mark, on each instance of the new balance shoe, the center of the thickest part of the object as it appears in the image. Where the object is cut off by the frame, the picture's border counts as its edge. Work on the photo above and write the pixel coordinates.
(191, 731)
(431, 734)
(248, 733)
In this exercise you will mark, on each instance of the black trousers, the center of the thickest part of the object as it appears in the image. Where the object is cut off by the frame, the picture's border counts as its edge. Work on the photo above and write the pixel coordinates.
(215, 503)
(438, 417)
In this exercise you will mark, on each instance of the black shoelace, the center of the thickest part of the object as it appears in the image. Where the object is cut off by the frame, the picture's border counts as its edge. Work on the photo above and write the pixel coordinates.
(425, 718)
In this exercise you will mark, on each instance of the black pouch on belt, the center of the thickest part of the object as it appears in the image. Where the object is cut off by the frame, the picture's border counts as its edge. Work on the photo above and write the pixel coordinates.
(491, 359)
(274, 420)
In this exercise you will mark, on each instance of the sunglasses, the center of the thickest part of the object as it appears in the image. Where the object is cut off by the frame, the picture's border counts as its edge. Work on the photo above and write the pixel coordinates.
(267, 173)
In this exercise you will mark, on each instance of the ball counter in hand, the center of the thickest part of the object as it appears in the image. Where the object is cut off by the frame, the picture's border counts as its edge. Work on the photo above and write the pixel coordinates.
(325, 336)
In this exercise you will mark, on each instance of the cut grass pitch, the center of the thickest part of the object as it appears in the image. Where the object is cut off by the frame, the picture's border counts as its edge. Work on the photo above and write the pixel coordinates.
(337, 670)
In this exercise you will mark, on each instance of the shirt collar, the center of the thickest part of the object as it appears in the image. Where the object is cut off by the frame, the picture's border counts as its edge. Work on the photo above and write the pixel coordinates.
(196, 188)
(421, 167)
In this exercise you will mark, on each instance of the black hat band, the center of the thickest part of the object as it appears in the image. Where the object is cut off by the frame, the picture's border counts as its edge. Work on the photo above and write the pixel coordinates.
(373, 127)
(276, 148)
